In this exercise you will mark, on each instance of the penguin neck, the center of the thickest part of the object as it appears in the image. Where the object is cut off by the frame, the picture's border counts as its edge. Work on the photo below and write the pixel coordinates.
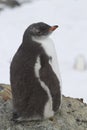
(46, 43)
(43, 40)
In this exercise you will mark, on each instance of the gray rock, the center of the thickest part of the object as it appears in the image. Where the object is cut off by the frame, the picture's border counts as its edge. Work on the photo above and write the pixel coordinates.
(13, 3)
(71, 116)
(9, 3)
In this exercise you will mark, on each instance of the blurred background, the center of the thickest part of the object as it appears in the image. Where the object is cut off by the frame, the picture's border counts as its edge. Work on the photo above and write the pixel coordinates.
(70, 38)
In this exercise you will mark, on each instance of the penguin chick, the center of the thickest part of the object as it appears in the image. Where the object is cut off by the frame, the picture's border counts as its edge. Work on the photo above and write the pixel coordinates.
(34, 75)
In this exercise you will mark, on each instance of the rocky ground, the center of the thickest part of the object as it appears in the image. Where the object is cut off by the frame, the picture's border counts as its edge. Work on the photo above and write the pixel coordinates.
(72, 116)
(12, 3)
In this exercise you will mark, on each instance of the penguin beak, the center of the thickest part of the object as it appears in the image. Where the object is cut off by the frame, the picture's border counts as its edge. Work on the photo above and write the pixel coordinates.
(52, 28)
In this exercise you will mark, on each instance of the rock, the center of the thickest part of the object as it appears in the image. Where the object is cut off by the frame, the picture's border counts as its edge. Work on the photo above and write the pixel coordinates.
(5, 92)
(12, 3)
(9, 3)
(71, 116)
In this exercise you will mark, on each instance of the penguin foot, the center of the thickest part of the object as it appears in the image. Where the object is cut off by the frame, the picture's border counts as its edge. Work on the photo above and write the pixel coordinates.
(15, 117)
(18, 119)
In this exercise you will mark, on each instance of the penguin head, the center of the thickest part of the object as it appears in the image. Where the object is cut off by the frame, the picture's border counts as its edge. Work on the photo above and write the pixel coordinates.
(41, 29)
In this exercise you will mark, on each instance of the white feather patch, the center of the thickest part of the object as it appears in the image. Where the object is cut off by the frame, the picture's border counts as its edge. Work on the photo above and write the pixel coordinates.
(49, 47)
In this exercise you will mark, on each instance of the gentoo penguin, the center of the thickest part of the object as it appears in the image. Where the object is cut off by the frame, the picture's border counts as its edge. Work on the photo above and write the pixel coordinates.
(34, 75)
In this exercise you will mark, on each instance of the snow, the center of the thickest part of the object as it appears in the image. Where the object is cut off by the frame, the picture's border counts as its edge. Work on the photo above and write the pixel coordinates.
(70, 38)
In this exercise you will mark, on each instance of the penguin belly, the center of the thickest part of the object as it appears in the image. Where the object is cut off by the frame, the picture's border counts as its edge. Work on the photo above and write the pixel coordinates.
(49, 77)
(48, 46)
(48, 108)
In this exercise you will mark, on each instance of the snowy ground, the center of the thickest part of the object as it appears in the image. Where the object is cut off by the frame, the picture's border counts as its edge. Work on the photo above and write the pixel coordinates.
(70, 39)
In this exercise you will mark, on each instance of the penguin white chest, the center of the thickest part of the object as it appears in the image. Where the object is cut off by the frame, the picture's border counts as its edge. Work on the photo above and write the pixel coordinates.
(49, 47)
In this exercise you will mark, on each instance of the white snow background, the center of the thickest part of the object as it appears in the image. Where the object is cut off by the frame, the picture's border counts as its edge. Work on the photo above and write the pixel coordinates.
(70, 38)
